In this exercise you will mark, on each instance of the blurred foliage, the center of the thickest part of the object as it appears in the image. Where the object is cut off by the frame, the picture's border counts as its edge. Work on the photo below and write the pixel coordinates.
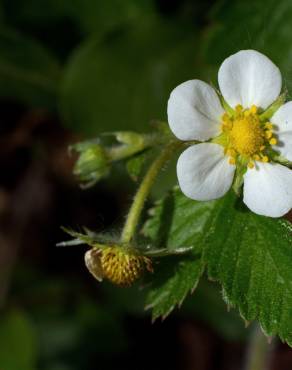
(207, 305)
(18, 342)
(28, 71)
(87, 16)
(65, 326)
(128, 74)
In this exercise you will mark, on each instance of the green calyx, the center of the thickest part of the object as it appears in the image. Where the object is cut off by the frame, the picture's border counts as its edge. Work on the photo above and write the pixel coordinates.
(271, 110)
(241, 168)
(92, 164)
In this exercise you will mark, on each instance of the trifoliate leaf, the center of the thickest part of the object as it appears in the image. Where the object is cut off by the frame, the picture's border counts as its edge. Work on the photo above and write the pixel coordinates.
(250, 255)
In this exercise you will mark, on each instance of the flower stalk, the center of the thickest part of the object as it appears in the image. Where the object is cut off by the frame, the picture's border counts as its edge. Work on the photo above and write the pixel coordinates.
(143, 191)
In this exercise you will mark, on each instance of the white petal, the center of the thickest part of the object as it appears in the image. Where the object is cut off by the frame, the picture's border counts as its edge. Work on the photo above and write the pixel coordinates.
(249, 77)
(268, 189)
(194, 111)
(282, 119)
(203, 172)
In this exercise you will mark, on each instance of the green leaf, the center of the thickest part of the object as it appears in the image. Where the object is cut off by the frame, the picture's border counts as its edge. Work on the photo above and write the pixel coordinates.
(28, 72)
(124, 81)
(176, 222)
(250, 255)
(18, 345)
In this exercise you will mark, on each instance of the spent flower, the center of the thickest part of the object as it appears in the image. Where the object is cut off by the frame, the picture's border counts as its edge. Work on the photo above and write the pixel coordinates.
(116, 264)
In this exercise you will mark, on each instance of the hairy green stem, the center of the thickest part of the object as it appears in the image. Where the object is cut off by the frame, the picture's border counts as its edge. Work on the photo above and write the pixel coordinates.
(143, 191)
(259, 352)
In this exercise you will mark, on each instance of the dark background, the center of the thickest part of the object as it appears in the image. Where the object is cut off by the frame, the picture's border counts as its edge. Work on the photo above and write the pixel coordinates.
(70, 70)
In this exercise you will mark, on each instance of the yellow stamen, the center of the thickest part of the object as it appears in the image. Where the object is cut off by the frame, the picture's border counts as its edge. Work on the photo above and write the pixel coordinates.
(246, 137)
(225, 117)
(269, 125)
(122, 267)
(231, 152)
(238, 108)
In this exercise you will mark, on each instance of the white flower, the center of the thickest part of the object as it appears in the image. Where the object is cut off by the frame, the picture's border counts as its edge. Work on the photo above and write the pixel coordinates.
(243, 136)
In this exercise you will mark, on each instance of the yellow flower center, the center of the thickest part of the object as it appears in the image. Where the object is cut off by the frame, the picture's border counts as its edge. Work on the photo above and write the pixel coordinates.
(247, 136)
(122, 267)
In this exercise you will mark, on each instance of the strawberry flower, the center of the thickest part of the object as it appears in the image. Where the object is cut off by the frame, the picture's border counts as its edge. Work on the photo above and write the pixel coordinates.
(245, 135)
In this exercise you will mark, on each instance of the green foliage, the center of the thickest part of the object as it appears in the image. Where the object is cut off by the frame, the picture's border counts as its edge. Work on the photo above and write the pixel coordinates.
(18, 347)
(250, 255)
(175, 222)
(28, 72)
(124, 80)
(87, 15)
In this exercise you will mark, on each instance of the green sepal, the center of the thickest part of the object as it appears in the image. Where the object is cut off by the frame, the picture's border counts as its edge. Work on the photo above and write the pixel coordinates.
(149, 251)
(226, 106)
(276, 157)
(129, 138)
(269, 112)
(93, 162)
(241, 168)
(88, 237)
(221, 139)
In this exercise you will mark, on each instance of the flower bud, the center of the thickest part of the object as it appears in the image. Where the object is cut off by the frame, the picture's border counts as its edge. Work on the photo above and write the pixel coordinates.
(130, 138)
(92, 164)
